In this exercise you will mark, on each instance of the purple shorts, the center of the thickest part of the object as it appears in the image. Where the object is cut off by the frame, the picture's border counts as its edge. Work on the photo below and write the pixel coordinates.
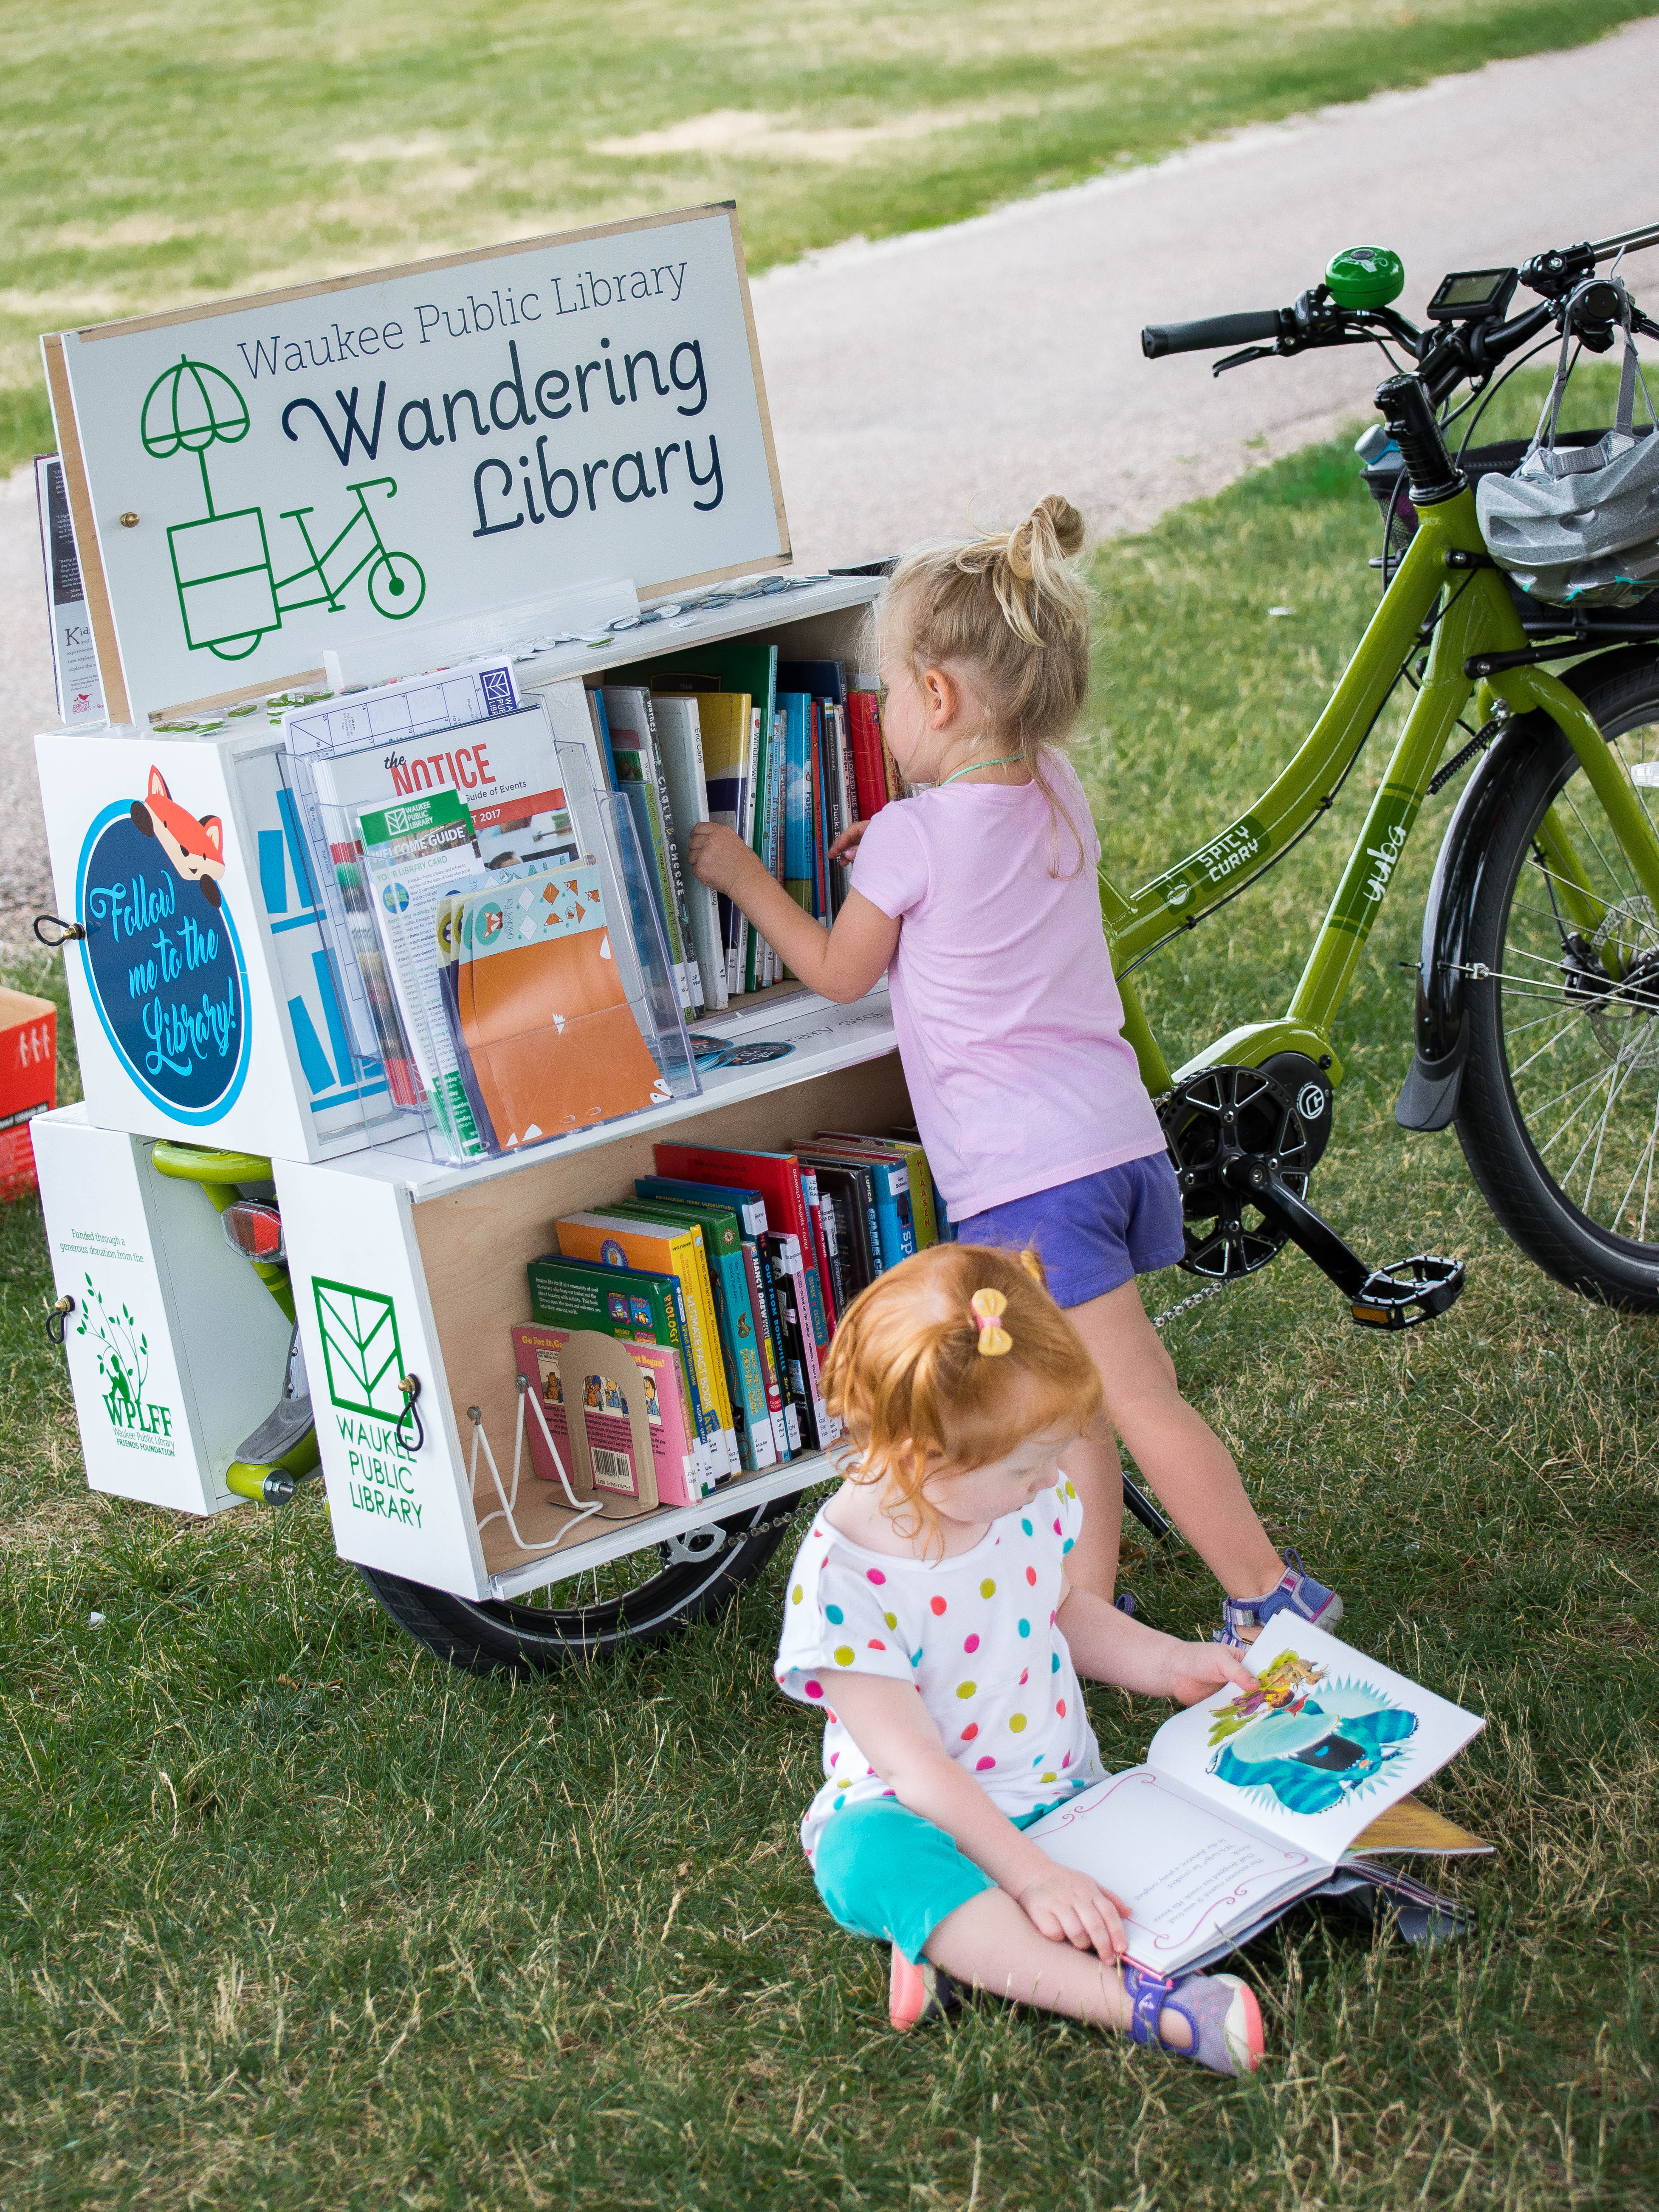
(1094, 1234)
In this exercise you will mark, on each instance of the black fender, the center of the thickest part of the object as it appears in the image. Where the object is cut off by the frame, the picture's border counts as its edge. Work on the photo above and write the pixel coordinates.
(1428, 1099)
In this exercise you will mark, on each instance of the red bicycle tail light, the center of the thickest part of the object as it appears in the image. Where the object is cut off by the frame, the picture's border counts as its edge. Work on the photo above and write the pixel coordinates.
(253, 1230)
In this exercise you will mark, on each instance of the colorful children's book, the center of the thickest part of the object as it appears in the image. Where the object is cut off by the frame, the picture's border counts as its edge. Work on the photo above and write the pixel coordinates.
(890, 1182)
(745, 664)
(846, 1231)
(798, 839)
(640, 780)
(725, 722)
(625, 1240)
(741, 1328)
(632, 1302)
(553, 1042)
(859, 1191)
(731, 1323)
(1250, 1800)
(917, 1174)
(869, 769)
(799, 1290)
(595, 1391)
(679, 748)
(774, 1175)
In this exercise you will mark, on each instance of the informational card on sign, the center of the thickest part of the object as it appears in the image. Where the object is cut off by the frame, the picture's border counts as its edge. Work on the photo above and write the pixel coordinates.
(74, 656)
(421, 443)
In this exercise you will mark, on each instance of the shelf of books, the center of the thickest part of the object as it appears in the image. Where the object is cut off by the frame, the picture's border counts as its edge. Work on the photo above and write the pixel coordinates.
(617, 1338)
(539, 1092)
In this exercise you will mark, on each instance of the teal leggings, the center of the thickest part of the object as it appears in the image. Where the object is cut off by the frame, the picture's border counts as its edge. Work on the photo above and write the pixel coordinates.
(888, 1875)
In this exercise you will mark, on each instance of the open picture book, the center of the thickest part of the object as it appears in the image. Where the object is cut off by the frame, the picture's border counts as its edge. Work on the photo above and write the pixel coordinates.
(1250, 1801)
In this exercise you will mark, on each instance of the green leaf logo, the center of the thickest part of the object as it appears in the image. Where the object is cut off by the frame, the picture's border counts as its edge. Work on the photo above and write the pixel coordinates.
(360, 1350)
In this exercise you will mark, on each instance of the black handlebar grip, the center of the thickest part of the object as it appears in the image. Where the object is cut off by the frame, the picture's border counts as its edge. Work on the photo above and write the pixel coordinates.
(1159, 339)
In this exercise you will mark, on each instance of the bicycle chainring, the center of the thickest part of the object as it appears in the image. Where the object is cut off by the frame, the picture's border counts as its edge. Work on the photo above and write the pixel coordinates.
(1217, 1124)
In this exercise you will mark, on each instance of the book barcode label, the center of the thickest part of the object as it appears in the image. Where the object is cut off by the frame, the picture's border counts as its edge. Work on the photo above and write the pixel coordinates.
(612, 1471)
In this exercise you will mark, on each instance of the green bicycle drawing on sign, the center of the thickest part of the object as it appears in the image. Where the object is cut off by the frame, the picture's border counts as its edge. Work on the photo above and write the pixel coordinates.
(230, 594)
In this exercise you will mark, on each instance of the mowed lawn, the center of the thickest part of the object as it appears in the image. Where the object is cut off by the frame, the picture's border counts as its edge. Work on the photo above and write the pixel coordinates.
(154, 156)
(296, 1917)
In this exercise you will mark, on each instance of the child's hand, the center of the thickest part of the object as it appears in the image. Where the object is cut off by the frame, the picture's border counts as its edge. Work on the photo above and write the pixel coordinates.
(848, 843)
(1068, 1906)
(1194, 1670)
(717, 855)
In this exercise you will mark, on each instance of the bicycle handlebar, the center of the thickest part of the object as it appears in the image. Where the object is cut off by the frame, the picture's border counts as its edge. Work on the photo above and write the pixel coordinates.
(1160, 338)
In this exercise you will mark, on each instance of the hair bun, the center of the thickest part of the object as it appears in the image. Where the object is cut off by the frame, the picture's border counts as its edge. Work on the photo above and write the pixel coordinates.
(1052, 530)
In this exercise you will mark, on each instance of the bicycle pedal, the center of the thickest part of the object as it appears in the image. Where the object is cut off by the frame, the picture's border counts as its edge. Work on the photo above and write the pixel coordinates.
(1408, 1292)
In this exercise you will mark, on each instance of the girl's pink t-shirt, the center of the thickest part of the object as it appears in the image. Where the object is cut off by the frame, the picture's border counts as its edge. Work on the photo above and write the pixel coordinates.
(1010, 1025)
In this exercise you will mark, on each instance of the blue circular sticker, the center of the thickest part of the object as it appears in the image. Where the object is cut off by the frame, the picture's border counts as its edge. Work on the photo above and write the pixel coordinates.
(161, 956)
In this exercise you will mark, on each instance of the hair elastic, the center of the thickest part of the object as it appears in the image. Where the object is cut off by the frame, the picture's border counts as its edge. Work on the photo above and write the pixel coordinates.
(987, 1308)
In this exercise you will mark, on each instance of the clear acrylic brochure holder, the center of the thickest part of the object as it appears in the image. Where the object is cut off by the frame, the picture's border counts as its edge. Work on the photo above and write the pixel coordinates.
(534, 997)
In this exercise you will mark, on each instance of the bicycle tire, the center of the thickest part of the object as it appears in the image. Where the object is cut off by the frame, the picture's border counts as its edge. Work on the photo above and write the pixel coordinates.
(1506, 1131)
(490, 1636)
(391, 577)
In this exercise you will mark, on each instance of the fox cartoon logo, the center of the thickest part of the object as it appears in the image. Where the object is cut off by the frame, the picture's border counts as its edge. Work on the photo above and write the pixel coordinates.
(196, 848)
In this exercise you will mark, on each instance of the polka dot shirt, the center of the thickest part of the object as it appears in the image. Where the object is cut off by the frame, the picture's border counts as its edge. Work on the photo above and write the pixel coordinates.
(977, 1635)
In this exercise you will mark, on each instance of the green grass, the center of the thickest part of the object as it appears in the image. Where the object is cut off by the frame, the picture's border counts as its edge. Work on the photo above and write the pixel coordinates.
(296, 1917)
(155, 158)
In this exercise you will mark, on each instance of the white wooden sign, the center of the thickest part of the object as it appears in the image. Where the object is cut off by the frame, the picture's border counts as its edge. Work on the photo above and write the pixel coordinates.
(263, 479)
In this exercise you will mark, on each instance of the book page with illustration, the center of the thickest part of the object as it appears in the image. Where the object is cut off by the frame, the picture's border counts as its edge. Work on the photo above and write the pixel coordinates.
(1329, 1739)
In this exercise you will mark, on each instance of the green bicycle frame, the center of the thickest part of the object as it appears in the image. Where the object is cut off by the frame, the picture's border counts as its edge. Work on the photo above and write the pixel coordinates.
(1479, 617)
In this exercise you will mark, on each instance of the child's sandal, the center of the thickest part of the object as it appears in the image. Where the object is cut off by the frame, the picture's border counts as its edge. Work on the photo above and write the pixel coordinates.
(1296, 1591)
(921, 1992)
(1220, 2009)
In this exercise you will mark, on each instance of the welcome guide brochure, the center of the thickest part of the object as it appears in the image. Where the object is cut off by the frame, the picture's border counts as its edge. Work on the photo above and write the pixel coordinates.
(1250, 1800)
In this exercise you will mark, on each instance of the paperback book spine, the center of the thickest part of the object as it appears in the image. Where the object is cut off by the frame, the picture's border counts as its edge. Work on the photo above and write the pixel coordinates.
(805, 1291)
(671, 859)
(794, 1330)
(771, 1351)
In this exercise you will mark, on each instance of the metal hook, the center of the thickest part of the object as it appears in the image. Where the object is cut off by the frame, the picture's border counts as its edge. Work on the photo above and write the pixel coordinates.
(59, 1315)
(410, 1387)
(67, 930)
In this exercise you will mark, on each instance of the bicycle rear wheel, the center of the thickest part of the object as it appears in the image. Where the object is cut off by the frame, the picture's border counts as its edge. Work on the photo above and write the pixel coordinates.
(1558, 1115)
(641, 1599)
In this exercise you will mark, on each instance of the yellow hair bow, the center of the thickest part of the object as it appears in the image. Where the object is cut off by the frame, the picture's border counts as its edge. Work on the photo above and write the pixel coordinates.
(987, 1307)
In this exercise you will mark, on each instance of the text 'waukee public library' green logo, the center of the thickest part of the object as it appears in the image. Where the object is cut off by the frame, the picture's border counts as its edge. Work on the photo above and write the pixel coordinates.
(361, 1354)
(121, 1348)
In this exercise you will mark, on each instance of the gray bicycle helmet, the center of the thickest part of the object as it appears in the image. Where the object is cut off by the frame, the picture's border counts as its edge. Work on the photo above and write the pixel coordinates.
(1579, 525)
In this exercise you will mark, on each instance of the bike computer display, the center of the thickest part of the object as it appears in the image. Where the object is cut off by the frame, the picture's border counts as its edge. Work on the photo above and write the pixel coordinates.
(1467, 293)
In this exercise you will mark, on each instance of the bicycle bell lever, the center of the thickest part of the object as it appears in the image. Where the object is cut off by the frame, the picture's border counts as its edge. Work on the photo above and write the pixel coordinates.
(1399, 1296)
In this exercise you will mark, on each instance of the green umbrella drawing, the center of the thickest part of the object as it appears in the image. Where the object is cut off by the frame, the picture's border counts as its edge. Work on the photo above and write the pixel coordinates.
(188, 409)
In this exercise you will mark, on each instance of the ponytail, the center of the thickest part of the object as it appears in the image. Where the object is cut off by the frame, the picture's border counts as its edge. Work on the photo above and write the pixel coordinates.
(1011, 611)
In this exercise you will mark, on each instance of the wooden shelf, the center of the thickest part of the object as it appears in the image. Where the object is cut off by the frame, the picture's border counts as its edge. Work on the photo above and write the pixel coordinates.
(513, 1571)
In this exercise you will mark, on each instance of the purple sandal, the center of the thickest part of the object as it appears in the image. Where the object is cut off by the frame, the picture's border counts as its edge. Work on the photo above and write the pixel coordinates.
(1220, 2009)
(1296, 1591)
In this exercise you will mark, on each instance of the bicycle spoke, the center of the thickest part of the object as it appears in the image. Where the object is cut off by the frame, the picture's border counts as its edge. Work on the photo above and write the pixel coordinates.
(1590, 837)
(1614, 1090)
(1647, 1155)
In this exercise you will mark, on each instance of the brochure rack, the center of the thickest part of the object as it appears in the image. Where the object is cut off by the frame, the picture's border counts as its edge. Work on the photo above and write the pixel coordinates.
(406, 1262)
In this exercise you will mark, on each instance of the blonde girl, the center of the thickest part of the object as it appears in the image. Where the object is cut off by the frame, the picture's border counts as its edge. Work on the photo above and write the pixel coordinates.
(977, 897)
(940, 1567)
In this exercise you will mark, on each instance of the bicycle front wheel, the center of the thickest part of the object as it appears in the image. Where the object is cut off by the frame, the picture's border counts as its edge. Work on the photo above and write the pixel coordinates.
(1558, 1115)
(397, 585)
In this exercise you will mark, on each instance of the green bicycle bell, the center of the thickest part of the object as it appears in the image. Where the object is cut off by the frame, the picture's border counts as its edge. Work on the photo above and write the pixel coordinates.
(1365, 276)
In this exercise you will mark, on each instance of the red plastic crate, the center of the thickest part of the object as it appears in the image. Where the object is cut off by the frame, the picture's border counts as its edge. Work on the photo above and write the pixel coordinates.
(28, 1083)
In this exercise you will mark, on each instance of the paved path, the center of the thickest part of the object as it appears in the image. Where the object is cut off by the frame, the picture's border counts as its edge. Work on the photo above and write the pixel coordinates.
(953, 377)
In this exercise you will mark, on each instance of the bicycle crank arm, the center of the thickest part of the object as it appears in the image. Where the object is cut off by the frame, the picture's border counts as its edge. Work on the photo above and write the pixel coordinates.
(1399, 1296)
